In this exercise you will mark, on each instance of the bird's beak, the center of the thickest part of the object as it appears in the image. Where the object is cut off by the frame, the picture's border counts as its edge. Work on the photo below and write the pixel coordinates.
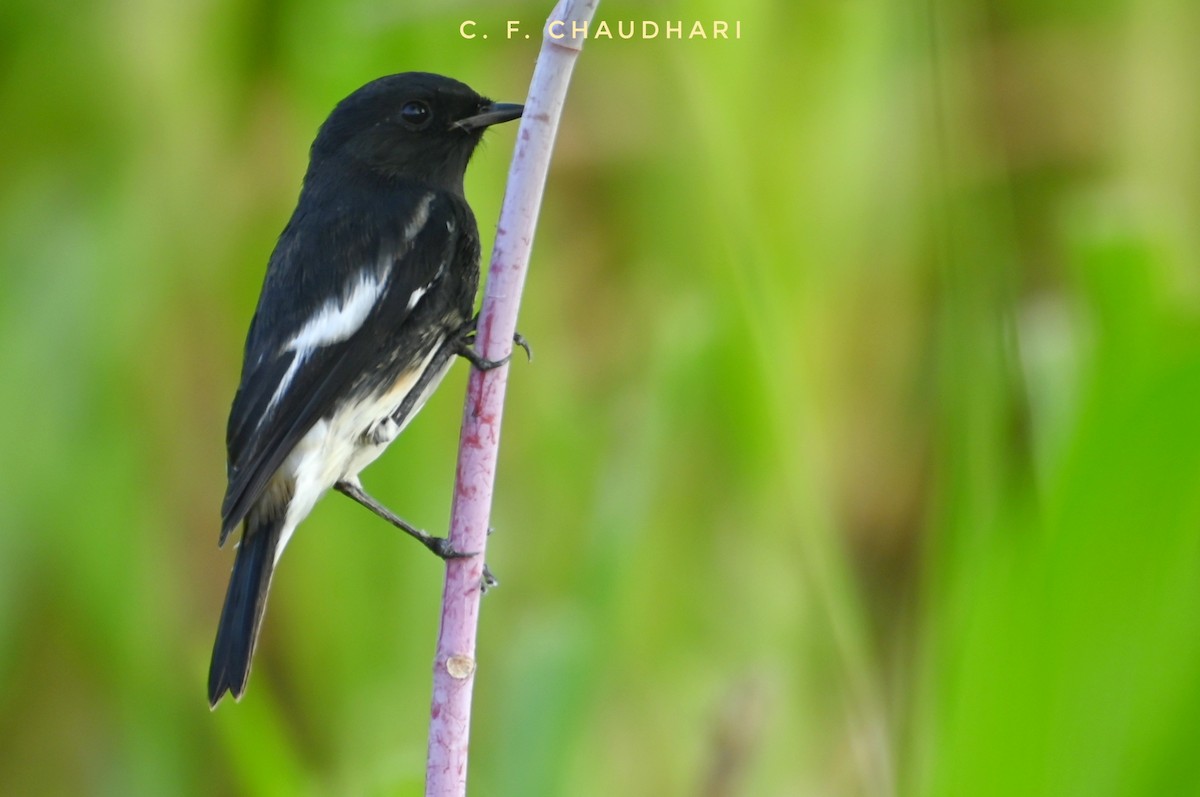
(490, 114)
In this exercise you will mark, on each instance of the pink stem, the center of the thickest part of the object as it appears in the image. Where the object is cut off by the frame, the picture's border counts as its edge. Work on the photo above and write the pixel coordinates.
(454, 664)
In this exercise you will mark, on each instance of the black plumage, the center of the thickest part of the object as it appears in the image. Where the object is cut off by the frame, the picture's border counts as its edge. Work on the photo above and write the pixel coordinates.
(366, 300)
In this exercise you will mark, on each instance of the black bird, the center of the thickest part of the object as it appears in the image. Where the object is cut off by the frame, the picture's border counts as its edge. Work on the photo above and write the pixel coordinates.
(366, 301)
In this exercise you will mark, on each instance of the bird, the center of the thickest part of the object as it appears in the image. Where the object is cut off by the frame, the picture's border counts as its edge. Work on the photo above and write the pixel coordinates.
(366, 302)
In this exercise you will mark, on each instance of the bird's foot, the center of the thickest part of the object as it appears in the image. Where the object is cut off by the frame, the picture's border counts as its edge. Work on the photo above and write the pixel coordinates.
(440, 546)
(466, 339)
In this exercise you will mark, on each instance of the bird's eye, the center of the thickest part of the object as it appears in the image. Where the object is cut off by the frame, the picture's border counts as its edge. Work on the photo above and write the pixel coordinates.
(415, 114)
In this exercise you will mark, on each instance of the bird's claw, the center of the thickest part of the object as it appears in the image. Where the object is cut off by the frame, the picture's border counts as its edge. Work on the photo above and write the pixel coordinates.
(467, 336)
(520, 340)
(442, 547)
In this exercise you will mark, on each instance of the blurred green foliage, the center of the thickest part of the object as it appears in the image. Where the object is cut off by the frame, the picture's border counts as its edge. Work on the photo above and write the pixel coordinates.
(861, 454)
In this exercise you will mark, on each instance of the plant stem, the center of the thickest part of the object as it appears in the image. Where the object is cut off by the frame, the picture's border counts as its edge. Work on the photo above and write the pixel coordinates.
(454, 663)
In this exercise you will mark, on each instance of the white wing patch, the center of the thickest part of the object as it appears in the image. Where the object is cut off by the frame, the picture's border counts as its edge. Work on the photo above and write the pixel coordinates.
(414, 227)
(416, 296)
(342, 316)
(337, 320)
(419, 218)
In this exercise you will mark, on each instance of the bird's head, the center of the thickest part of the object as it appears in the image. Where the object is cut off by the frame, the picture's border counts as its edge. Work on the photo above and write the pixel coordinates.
(414, 125)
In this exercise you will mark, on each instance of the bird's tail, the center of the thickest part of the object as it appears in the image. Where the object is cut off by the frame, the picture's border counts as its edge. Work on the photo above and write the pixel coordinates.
(242, 616)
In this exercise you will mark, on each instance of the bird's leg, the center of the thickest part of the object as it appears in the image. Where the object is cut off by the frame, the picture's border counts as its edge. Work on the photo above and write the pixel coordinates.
(465, 338)
(440, 546)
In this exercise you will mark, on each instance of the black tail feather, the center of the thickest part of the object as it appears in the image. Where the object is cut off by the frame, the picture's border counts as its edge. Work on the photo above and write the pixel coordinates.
(242, 616)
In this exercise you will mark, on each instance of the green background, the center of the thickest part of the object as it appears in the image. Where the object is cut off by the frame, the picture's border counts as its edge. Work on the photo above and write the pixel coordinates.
(860, 454)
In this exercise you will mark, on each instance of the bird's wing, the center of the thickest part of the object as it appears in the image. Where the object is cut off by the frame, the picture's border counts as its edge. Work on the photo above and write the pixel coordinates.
(359, 317)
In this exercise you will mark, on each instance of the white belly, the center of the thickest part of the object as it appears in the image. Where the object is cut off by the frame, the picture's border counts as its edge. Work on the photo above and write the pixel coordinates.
(339, 446)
